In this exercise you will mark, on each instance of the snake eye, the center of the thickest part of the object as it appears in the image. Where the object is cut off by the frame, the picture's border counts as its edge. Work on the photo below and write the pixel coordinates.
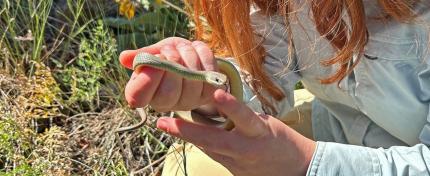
(216, 79)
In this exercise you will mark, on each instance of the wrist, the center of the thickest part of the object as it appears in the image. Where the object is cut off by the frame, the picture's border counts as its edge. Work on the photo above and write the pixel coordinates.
(308, 152)
(303, 148)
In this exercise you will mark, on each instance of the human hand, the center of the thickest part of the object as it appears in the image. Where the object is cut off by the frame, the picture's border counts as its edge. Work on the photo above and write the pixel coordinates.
(166, 91)
(258, 145)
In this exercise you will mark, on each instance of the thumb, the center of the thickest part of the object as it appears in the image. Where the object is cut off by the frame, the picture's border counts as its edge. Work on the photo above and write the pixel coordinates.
(245, 120)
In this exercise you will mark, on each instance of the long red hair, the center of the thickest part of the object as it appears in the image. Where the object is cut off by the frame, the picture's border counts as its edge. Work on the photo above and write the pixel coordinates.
(226, 26)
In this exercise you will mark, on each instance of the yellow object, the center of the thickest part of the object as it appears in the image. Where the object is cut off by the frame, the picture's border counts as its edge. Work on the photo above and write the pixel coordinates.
(126, 8)
(198, 163)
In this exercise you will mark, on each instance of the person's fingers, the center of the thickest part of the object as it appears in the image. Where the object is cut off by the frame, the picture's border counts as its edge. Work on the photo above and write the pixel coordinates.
(189, 56)
(207, 92)
(142, 86)
(245, 120)
(191, 90)
(126, 57)
(206, 56)
(208, 63)
(210, 138)
(169, 90)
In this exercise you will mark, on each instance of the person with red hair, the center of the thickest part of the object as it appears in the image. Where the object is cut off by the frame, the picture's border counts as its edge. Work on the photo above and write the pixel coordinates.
(367, 63)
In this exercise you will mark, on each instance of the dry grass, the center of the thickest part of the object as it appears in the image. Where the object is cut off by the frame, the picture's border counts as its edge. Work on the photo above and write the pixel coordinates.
(82, 144)
(55, 118)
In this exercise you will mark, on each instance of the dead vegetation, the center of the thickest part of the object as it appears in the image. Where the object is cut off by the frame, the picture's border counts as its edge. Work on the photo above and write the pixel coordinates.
(61, 90)
(82, 144)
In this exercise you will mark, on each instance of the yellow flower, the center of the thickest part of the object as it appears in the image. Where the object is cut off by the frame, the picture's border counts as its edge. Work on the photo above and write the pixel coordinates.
(126, 8)
(159, 2)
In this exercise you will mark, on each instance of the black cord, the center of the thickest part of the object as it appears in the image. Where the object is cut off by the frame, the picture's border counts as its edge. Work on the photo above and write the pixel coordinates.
(184, 159)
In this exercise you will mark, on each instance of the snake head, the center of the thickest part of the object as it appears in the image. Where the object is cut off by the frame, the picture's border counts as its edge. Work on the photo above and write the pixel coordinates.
(216, 79)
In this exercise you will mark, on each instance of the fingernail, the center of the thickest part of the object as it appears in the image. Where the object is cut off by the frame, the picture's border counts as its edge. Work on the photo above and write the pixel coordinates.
(162, 124)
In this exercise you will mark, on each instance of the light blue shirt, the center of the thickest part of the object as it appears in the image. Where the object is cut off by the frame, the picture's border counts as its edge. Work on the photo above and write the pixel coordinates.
(377, 122)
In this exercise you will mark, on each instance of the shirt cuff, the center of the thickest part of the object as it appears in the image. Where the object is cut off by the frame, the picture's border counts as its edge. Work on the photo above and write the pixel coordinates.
(341, 159)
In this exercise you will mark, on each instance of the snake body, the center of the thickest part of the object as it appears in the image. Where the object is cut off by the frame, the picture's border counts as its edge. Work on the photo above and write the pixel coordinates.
(227, 75)
(211, 77)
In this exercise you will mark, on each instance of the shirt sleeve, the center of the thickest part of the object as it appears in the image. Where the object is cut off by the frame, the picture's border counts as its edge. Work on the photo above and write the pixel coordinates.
(342, 159)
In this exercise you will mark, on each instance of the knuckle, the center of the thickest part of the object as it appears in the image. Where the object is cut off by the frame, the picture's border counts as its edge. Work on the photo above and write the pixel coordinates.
(200, 44)
(189, 56)
(168, 91)
(205, 52)
(172, 40)
(208, 63)
(170, 53)
(185, 48)
(203, 48)
(176, 39)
